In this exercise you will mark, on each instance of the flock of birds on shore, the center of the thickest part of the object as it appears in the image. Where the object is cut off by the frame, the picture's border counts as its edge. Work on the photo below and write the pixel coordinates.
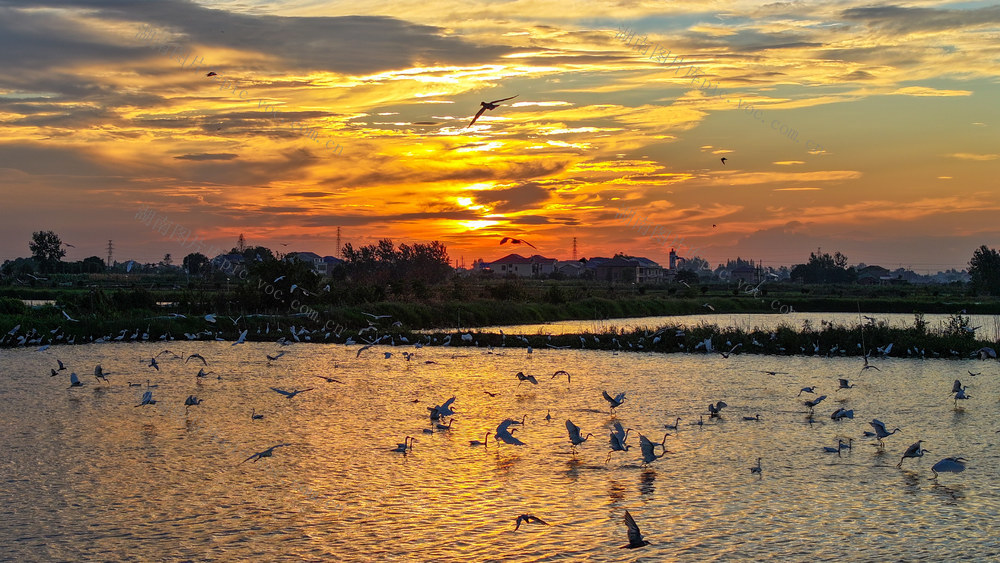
(504, 433)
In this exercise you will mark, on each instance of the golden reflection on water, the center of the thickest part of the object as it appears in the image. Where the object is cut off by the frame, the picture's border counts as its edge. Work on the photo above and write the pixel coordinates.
(88, 475)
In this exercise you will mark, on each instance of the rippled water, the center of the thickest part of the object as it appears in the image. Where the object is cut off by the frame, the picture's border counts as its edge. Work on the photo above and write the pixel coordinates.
(989, 325)
(87, 475)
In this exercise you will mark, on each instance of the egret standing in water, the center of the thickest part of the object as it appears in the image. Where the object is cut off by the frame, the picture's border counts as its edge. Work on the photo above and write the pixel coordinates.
(758, 470)
(960, 395)
(949, 465)
(486, 439)
(880, 432)
(674, 425)
(407, 444)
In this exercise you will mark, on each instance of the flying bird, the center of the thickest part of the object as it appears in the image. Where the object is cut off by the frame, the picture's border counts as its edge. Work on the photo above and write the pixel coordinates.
(274, 357)
(949, 465)
(504, 434)
(74, 381)
(528, 519)
(575, 436)
(648, 448)
(562, 372)
(99, 373)
(147, 399)
(290, 394)
(266, 453)
(913, 451)
(198, 356)
(634, 535)
(844, 384)
(489, 106)
(330, 379)
(61, 366)
(615, 401)
(529, 378)
(724, 159)
(212, 74)
(153, 364)
(517, 241)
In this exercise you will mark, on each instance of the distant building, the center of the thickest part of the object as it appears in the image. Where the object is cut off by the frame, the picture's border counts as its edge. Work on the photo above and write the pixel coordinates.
(329, 263)
(315, 261)
(874, 275)
(675, 260)
(570, 268)
(629, 270)
(533, 266)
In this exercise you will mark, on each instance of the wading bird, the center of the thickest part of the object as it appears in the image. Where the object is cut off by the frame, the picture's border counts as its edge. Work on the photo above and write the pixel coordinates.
(757, 469)
(528, 519)
(100, 374)
(574, 434)
(153, 364)
(715, 410)
(829, 450)
(74, 381)
(486, 440)
(203, 373)
(949, 465)
(254, 415)
(442, 410)
(266, 453)
(634, 535)
(812, 404)
(489, 106)
(674, 425)
(290, 394)
(844, 385)
(960, 395)
(401, 448)
(615, 401)
(61, 366)
(649, 447)
(807, 390)
(842, 413)
(753, 418)
(618, 437)
(191, 401)
(913, 451)
(505, 434)
(147, 399)
(880, 431)
(956, 387)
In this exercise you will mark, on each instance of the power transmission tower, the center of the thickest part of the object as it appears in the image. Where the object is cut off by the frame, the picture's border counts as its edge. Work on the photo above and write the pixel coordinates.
(110, 250)
(574, 248)
(338, 242)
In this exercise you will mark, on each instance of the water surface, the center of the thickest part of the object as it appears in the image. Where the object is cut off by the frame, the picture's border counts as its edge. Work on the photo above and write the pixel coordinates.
(88, 475)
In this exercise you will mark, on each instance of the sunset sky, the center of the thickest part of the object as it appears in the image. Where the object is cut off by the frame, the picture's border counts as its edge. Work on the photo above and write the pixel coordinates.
(896, 160)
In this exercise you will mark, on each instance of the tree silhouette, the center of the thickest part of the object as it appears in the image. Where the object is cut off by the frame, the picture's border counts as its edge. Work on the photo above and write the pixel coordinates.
(984, 267)
(46, 248)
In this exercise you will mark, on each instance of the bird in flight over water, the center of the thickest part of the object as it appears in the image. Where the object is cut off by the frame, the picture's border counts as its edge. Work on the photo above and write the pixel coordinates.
(489, 105)
(634, 535)
(527, 519)
(724, 159)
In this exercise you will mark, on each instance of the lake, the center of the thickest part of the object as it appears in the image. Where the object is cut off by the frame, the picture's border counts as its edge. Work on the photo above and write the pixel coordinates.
(88, 475)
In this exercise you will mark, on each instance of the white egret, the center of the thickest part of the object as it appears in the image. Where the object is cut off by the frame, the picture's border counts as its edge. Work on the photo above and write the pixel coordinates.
(757, 469)
(842, 413)
(634, 535)
(913, 451)
(271, 358)
(949, 465)
(807, 390)
(844, 384)
(674, 425)
(715, 410)
(445, 426)
(528, 519)
(254, 415)
(485, 441)
(505, 434)
(880, 431)
(191, 401)
(147, 399)
(242, 338)
(615, 401)
(618, 437)
(831, 450)
(74, 381)
(562, 372)
(100, 374)
(956, 387)
(648, 448)
(812, 404)
(153, 364)
(961, 395)
(575, 436)
(61, 366)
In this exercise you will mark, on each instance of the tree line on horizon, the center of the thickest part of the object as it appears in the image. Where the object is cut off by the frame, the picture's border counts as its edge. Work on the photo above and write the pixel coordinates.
(419, 265)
